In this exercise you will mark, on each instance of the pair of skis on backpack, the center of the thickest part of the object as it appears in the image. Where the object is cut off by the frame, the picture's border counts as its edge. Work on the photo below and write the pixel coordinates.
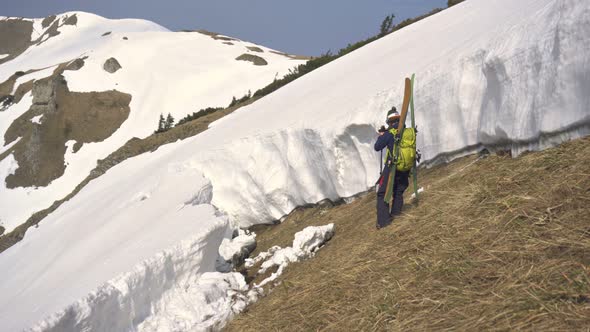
(408, 103)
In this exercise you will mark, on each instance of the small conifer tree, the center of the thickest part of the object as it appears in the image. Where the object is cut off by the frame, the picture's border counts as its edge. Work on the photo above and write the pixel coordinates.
(169, 122)
(386, 25)
(451, 3)
(234, 101)
(161, 124)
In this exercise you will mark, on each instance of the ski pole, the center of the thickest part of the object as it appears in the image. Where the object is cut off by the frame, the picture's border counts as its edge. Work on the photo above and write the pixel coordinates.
(381, 163)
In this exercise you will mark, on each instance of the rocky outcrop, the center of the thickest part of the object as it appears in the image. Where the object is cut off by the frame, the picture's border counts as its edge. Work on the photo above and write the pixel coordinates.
(44, 92)
(44, 96)
(255, 59)
(47, 21)
(81, 117)
(5, 101)
(76, 64)
(255, 49)
(6, 87)
(71, 20)
(111, 65)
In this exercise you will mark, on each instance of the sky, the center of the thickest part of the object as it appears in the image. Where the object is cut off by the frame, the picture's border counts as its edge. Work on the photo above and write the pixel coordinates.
(303, 27)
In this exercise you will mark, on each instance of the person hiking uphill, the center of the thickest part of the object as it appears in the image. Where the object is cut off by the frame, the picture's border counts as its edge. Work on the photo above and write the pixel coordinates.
(386, 141)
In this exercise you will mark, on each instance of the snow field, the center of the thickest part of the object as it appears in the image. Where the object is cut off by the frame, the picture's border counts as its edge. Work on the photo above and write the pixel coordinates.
(181, 72)
(89, 242)
(128, 299)
(86, 245)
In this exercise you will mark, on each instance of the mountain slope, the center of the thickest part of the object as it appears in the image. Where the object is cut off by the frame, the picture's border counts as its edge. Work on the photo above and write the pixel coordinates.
(488, 247)
(71, 116)
(479, 84)
(310, 140)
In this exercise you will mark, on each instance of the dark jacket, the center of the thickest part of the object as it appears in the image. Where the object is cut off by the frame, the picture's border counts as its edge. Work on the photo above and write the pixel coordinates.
(386, 141)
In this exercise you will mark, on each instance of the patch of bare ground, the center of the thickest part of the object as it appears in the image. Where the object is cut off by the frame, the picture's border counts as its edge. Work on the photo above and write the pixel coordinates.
(132, 148)
(71, 20)
(81, 117)
(15, 37)
(15, 34)
(214, 35)
(52, 31)
(6, 87)
(47, 21)
(255, 59)
(494, 244)
(255, 49)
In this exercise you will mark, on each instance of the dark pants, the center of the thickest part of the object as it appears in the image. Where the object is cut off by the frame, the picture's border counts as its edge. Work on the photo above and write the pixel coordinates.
(400, 184)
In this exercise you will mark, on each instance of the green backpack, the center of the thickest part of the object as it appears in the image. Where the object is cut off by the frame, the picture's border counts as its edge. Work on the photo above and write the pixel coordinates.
(407, 149)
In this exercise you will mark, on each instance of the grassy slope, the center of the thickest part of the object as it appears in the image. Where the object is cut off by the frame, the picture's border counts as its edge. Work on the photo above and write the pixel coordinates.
(495, 243)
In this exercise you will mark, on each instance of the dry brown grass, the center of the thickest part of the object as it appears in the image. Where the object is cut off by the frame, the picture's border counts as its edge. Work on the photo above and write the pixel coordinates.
(495, 244)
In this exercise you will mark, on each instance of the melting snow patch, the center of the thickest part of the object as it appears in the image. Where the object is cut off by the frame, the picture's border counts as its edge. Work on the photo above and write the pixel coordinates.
(7, 167)
(9, 145)
(232, 252)
(305, 244)
(37, 119)
(420, 190)
(69, 144)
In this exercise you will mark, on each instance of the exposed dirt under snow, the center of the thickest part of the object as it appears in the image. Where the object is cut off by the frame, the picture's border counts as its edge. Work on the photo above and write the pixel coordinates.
(82, 117)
